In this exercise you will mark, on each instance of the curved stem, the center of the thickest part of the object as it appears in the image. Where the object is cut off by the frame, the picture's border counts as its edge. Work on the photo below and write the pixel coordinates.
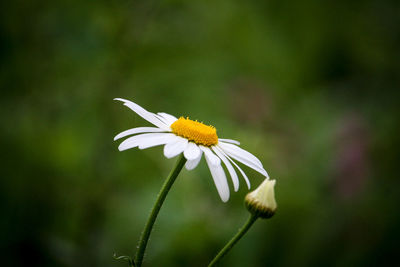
(156, 208)
(234, 240)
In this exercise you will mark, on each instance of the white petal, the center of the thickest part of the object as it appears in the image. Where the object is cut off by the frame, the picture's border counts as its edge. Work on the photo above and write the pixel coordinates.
(176, 147)
(133, 141)
(169, 119)
(241, 152)
(138, 130)
(191, 164)
(244, 157)
(143, 139)
(192, 151)
(218, 175)
(228, 141)
(161, 140)
(149, 116)
(211, 157)
(161, 119)
(237, 166)
(228, 165)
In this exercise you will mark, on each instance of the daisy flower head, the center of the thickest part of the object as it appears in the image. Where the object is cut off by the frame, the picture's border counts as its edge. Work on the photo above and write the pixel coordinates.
(194, 139)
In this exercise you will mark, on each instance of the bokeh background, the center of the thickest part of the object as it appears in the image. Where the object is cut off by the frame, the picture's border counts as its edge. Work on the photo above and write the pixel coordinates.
(310, 87)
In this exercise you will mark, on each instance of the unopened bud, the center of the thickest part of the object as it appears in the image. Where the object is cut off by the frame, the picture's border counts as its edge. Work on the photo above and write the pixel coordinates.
(261, 202)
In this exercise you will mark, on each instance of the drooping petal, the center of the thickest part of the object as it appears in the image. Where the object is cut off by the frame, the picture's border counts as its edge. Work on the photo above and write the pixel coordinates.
(192, 151)
(231, 170)
(237, 166)
(138, 130)
(145, 140)
(244, 157)
(229, 141)
(211, 157)
(191, 164)
(176, 147)
(218, 175)
(149, 116)
(240, 152)
(168, 118)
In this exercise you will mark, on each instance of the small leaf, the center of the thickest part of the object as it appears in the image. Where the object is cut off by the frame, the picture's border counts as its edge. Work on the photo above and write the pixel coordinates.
(130, 261)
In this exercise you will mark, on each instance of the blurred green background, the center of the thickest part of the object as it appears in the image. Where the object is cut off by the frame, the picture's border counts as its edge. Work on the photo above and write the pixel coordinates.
(310, 87)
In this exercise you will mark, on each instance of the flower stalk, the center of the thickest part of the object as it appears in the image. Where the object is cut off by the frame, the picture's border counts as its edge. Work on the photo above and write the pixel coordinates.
(260, 203)
(156, 208)
(234, 240)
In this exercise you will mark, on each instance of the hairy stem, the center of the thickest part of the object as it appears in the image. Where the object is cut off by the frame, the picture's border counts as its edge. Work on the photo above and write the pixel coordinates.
(144, 238)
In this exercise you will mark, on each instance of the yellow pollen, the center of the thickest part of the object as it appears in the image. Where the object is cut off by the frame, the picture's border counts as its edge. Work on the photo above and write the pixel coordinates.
(195, 131)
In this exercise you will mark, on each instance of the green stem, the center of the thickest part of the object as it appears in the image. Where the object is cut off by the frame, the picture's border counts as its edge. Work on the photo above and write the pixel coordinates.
(234, 240)
(144, 238)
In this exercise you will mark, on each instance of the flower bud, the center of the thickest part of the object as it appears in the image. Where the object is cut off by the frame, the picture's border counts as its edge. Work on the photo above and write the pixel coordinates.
(261, 202)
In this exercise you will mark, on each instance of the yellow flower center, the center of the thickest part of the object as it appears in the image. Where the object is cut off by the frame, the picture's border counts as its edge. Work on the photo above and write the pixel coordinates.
(195, 131)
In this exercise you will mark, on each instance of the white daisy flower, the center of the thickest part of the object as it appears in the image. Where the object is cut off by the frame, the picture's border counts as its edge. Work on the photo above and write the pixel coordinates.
(193, 139)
